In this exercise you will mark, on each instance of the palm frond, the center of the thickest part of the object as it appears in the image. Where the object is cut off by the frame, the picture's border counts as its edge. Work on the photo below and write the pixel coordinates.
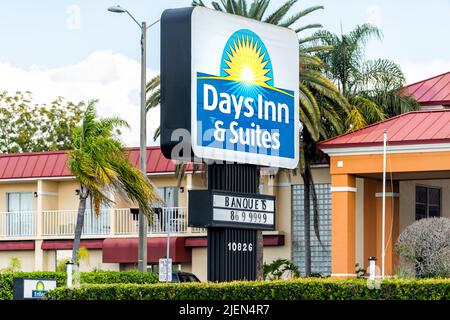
(308, 26)
(299, 15)
(278, 14)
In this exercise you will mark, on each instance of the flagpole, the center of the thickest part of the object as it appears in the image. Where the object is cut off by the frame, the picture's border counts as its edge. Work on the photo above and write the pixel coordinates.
(383, 219)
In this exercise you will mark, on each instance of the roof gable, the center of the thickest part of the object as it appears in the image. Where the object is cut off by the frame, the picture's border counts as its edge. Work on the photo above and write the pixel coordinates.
(432, 91)
(412, 128)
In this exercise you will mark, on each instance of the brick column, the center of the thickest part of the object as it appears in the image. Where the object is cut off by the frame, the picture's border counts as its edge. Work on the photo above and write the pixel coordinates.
(343, 225)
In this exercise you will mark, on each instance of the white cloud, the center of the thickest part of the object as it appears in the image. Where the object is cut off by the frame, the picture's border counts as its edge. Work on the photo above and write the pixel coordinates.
(110, 77)
(417, 71)
(374, 15)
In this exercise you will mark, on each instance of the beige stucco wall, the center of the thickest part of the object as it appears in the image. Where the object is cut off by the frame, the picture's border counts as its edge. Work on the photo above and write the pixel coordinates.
(67, 199)
(199, 263)
(48, 194)
(49, 260)
(408, 199)
(26, 259)
(94, 261)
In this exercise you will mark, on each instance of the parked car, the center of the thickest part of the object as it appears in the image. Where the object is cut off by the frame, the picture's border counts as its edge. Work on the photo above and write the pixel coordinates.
(184, 277)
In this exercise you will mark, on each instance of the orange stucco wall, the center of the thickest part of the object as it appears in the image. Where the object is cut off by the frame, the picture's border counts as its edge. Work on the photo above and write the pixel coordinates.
(398, 162)
(343, 224)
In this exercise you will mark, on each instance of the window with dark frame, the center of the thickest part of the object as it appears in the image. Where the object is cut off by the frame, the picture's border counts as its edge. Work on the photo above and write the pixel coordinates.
(428, 202)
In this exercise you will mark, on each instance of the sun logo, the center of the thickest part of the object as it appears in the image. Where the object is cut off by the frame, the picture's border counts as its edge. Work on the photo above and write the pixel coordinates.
(245, 67)
(40, 286)
(246, 60)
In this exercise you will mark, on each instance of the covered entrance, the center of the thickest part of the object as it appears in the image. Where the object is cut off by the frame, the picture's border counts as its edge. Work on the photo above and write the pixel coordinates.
(417, 185)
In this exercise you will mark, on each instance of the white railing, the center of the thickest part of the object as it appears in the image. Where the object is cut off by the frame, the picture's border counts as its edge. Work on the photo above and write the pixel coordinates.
(62, 222)
(112, 222)
(17, 224)
(109, 223)
(175, 217)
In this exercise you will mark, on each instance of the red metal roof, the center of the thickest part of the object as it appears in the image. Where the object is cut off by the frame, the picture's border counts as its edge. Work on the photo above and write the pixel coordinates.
(53, 163)
(432, 91)
(412, 128)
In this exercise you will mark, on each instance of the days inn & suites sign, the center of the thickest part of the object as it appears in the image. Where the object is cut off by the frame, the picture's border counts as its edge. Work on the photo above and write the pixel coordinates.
(229, 83)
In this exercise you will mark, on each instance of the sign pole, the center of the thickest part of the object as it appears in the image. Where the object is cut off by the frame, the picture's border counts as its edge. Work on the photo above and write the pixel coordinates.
(383, 218)
(143, 225)
(168, 244)
(226, 259)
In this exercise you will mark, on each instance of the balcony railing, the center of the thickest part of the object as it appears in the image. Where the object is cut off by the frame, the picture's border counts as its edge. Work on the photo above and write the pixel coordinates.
(109, 222)
(17, 224)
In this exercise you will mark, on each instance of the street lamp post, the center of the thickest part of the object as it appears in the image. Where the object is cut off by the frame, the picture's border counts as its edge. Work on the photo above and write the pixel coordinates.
(142, 251)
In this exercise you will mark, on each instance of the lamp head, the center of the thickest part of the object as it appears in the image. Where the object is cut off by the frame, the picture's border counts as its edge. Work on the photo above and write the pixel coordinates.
(116, 9)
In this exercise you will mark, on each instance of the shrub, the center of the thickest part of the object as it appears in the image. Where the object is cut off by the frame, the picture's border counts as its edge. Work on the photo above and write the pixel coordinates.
(295, 289)
(424, 248)
(280, 269)
(105, 277)
(14, 265)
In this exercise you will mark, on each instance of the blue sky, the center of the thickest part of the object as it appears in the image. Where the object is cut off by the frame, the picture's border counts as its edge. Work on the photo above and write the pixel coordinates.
(76, 48)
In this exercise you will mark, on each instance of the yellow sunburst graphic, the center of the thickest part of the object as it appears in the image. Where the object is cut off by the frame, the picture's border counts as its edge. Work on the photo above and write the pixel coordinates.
(246, 62)
(39, 286)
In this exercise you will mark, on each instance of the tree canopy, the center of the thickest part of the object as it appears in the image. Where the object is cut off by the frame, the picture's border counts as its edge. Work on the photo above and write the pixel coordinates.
(27, 126)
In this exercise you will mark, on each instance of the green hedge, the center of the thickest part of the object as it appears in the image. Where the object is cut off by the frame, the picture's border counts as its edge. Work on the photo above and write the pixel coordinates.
(299, 289)
(104, 277)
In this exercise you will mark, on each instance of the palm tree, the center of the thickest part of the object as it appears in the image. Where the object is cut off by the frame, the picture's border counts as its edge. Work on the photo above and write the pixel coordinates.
(321, 103)
(99, 162)
(370, 86)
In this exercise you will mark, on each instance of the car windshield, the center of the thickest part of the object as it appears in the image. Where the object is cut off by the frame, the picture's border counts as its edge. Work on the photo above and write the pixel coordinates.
(187, 278)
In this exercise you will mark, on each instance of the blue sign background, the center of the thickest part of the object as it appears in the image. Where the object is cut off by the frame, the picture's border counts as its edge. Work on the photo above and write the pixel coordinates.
(206, 119)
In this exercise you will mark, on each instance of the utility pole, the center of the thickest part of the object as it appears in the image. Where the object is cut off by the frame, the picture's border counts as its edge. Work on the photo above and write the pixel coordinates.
(143, 225)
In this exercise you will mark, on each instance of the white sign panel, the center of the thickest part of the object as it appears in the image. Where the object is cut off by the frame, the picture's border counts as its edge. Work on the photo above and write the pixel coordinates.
(244, 90)
(165, 270)
(246, 210)
(35, 289)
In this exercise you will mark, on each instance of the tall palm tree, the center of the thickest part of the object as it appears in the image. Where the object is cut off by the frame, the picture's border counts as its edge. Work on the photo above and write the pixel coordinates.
(370, 86)
(321, 103)
(99, 162)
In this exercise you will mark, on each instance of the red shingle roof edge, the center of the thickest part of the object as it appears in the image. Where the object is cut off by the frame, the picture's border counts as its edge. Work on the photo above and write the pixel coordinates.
(29, 165)
(412, 128)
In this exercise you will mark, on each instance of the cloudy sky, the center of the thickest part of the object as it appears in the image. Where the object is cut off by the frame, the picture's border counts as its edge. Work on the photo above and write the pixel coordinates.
(78, 50)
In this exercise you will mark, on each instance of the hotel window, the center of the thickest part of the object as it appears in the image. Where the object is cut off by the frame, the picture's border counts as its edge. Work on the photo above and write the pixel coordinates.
(320, 255)
(428, 202)
(169, 196)
(168, 209)
(19, 218)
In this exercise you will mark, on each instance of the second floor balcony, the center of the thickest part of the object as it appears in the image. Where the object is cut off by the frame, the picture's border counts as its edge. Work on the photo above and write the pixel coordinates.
(60, 224)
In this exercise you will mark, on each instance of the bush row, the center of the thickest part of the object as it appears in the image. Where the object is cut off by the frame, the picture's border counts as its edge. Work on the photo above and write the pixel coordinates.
(104, 277)
(298, 289)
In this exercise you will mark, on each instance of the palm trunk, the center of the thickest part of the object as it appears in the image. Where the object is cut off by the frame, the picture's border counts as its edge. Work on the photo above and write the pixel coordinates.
(259, 243)
(259, 255)
(79, 227)
(307, 223)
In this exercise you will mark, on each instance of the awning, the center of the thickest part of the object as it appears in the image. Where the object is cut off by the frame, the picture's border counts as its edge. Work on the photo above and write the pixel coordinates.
(68, 244)
(125, 250)
(16, 245)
